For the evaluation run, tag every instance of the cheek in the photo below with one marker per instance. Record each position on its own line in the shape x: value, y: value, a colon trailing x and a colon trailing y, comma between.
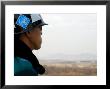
x: 38, y: 39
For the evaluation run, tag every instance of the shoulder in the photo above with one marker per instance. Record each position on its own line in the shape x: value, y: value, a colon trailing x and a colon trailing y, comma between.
x: 23, y: 67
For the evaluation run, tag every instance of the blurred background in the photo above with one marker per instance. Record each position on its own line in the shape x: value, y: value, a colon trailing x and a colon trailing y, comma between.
x: 69, y: 44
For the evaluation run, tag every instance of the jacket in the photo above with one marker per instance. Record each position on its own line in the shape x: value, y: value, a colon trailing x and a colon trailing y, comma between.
x: 25, y: 62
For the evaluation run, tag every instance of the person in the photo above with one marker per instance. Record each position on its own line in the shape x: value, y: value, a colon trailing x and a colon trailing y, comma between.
x: 27, y: 37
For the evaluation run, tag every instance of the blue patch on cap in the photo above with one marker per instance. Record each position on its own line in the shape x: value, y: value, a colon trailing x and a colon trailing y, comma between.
x: 23, y: 21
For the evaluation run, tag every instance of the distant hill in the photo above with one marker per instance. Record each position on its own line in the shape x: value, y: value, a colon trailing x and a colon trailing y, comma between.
x: 70, y: 57
x: 66, y: 61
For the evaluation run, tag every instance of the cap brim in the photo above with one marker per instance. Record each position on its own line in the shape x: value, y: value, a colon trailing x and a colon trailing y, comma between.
x: 42, y: 24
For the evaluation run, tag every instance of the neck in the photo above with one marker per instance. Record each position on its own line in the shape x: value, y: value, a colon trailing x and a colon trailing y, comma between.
x: 27, y: 42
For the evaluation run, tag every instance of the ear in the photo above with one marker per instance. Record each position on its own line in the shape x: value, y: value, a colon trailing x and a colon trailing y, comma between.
x: 28, y: 34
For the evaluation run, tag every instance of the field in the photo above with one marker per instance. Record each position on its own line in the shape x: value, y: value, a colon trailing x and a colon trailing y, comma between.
x: 79, y: 68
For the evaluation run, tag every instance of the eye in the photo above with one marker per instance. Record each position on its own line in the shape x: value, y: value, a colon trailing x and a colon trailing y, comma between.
x: 40, y: 28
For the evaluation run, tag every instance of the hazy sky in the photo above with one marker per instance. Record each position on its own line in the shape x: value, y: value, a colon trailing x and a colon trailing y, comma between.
x: 68, y: 34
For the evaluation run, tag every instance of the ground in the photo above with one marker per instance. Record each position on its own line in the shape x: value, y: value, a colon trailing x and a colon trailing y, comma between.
x: 79, y: 68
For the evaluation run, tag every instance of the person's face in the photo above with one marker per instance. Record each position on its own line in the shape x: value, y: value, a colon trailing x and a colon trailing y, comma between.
x: 35, y: 37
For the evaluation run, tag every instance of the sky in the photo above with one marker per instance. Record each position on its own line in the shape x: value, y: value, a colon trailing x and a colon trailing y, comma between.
x: 68, y: 36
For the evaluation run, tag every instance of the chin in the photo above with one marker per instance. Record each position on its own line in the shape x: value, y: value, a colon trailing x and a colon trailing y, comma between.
x: 37, y: 48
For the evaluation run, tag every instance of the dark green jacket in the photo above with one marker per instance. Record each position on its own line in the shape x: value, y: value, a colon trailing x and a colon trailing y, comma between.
x: 23, y: 67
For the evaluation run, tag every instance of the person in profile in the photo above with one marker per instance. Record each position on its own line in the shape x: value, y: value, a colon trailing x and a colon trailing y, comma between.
x: 27, y: 37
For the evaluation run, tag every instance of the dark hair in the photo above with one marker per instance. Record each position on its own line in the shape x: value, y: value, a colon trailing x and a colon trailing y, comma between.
x: 17, y: 36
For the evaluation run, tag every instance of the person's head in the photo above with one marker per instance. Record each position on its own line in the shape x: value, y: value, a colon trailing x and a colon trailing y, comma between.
x: 30, y: 35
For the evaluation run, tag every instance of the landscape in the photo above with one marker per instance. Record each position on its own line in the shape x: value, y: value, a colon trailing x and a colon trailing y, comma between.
x: 70, y: 68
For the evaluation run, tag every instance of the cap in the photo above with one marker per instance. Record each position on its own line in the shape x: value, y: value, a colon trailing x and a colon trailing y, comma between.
x: 26, y: 22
